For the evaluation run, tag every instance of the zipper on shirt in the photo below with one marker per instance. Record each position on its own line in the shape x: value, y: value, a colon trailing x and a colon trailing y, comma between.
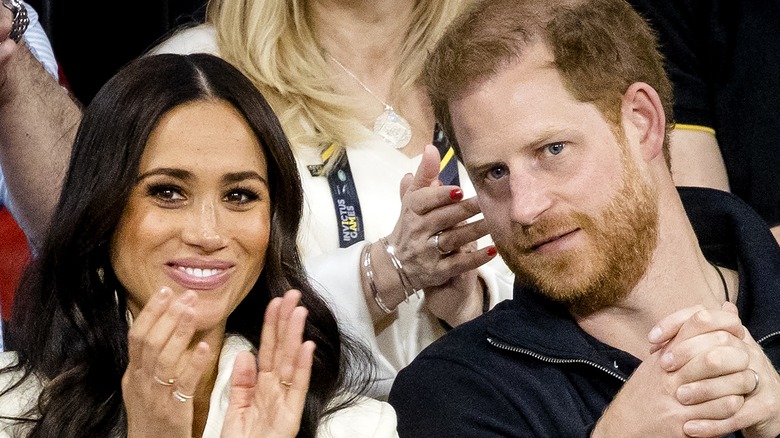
x: 767, y: 337
x: 553, y: 360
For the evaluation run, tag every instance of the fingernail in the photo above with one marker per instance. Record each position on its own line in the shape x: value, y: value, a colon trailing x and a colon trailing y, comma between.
x: 654, y: 335
x: 492, y: 251
x: 456, y: 194
x: 667, y: 360
x: 683, y: 394
x: 692, y: 428
x: 188, y: 297
x: 163, y: 293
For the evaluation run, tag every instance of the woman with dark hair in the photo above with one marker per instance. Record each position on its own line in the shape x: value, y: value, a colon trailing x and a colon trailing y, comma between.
x: 174, y: 232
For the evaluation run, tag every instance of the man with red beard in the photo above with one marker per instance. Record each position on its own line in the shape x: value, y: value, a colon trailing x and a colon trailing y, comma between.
x: 640, y: 309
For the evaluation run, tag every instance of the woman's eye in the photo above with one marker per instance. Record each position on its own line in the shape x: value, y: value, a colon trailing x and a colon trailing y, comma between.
x: 241, y: 196
x: 166, y: 193
x: 555, y: 148
x: 497, y: 172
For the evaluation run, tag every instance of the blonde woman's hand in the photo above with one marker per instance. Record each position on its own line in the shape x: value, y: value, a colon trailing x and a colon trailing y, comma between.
x: 161, y: 374
x: 267, y: 396
x: 438, y: 245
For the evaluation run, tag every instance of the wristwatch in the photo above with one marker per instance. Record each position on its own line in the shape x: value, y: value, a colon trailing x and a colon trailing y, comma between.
x: 20, y: 20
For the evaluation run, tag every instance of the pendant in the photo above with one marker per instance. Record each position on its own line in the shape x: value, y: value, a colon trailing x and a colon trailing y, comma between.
x: 393, y: 129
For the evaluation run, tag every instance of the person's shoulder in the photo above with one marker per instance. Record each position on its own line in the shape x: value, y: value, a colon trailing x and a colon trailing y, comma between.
x: 196, y: 39
x: 367, y: 417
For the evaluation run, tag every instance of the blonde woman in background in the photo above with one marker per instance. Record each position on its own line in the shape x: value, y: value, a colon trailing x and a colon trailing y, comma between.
x: 330, y: 69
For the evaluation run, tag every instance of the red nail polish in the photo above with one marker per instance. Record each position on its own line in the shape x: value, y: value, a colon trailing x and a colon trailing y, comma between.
x: 492, y: 251
x: 456, y: 194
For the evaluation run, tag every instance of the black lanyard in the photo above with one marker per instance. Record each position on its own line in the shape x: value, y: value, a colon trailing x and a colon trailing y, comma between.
x: 344, y: 193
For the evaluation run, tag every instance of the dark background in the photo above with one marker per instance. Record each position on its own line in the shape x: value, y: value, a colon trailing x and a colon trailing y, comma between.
x: 92, y: 39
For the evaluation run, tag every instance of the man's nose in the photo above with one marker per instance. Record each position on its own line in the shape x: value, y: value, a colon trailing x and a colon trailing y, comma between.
x: 530, y: 198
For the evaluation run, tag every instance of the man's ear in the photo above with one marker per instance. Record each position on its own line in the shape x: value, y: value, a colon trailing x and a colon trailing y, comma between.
x: 642, y: 108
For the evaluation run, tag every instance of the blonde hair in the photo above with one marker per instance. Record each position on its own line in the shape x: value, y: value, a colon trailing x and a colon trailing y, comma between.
x: 272, y: 42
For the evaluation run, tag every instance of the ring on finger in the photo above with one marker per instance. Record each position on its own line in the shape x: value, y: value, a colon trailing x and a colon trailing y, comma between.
x: 436, y: 244
x: 181, y: 397
x: 755, y: 387
x: 285, y: 383
x: 164, y: 382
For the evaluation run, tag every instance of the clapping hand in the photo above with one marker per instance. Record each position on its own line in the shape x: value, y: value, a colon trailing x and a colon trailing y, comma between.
x: 267, y: 399
x: 162, y: 375
x: 437, y: 244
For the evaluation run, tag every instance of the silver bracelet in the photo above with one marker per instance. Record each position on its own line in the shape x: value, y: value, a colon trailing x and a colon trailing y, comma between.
x: 368, y: 270
x: 19, y: 20
x: 409, y: 289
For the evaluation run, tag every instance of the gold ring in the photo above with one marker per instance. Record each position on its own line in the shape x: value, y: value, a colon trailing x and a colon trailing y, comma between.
x: 164, y: 382
x: 285, y: 383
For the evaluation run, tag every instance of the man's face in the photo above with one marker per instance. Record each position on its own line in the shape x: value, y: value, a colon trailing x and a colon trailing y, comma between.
x: 562, y: 190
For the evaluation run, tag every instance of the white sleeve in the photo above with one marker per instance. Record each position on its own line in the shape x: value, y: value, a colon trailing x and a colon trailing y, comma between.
x: 498, y: 279
x: 39, y: 44
x: 336, y: 275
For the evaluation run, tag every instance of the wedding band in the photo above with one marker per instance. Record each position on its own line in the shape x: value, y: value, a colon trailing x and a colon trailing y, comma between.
x: 755, y: 387
x: 19, y: 19
x: 436, y: 245
x: 180, y: 396
x: 285, y: 383
x: 166, y: 382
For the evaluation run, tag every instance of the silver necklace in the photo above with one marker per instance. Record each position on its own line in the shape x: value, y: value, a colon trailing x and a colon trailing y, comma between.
x: 389, y: 126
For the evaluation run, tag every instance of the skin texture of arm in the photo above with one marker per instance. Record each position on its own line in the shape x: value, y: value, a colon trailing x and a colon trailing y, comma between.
x: 696, y: 160
x: 38, y: 122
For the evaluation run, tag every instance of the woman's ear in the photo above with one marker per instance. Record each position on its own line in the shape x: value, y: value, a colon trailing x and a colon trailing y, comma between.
x: 642, y: 108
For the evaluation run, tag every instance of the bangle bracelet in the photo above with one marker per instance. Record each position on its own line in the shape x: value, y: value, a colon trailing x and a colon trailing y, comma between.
x: 409, y: 289
x: 368, y: 270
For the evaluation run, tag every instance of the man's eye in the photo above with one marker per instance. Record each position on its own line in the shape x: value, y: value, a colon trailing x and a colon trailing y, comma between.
x: 555, y: 148
x: 497, y: 172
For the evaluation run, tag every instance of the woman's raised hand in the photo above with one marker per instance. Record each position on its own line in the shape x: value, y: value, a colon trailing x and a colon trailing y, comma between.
x: 161, y: 375
x: 436, y: 243
x: 267, y: 399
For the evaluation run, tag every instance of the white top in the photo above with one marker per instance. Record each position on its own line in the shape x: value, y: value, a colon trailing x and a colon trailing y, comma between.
x: 377, y: 171
x: 367, y: 418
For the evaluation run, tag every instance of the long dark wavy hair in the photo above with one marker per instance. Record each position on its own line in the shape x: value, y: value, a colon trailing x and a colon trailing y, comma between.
x: 68, y: 324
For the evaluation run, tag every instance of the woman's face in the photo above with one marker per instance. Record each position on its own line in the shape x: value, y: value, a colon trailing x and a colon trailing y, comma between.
x: 198, y: 216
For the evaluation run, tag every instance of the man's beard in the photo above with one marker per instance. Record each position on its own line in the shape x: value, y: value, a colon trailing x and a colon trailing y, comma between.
x: 622, y: 239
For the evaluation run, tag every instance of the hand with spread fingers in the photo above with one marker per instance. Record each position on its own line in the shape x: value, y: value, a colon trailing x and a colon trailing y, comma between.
x: 267, y: 399
x: 699, y: 343
x: 164, y: 368
x: 434, y: 246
